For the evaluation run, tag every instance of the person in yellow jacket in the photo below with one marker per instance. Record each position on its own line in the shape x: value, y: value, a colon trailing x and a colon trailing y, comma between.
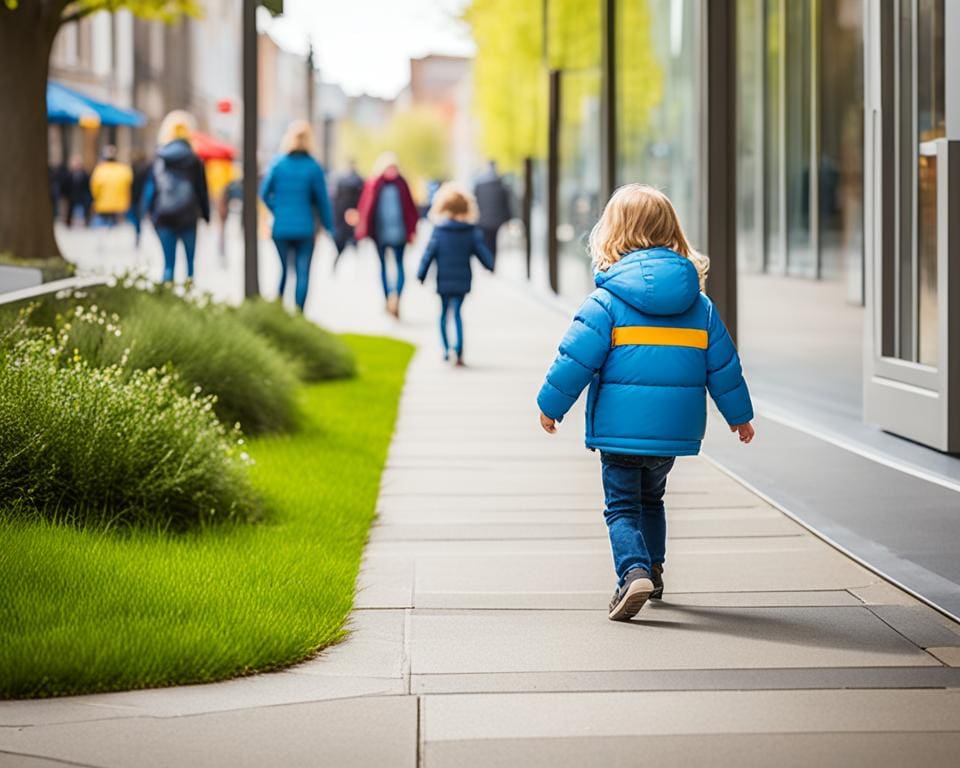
x: 110, y: 185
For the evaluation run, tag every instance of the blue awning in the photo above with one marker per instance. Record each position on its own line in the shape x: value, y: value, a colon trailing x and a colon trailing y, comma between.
x: 65, y: 105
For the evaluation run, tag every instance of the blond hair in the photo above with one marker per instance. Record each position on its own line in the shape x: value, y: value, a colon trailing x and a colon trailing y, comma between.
x: 297, y: 138
x: 178, y: 124
x: 453, y: 201
x: 636, y: 217
x: 384, y: 161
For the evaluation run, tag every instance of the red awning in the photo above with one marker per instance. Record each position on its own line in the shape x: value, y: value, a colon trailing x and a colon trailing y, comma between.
x: 209, y: 148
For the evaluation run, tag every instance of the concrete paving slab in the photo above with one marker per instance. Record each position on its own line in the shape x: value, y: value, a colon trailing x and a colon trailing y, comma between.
x: 373, y: 731
x: 679, y: 529
x: 11, y: 760
x: 915, y: 623
x: 781, y: 570
x: 374, y: 648
x: 597, y: 601
x: 819, y: 678
x: 550, y: 502
x: 552, y: 715
x: 882, y: 592
x: 852, y: 750
x: 385, y: 583
x: 949, y: 655
x: 661, y: 637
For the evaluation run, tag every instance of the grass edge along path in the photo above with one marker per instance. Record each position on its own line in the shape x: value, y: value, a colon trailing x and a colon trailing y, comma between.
x: 86, y: 611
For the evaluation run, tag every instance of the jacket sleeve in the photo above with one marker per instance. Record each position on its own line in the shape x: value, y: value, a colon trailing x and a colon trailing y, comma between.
x: 725, y: 380
x: 481, y: 250
x: 202, y: 194
x: 365, y: 209
x: 266, y: 188
x: 322, y: 199
x: 429, y: 254
x: 583, y: 350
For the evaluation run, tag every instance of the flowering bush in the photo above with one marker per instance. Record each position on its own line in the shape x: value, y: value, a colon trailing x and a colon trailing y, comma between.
x: 254, y: 383
x: 108, y: 444
x: 318, y: 354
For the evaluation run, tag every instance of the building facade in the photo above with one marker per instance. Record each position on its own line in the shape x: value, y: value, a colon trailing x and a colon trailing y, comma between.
x: 810, y: 148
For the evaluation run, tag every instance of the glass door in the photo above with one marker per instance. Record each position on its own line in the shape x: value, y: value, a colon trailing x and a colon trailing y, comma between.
x: 912, y: 182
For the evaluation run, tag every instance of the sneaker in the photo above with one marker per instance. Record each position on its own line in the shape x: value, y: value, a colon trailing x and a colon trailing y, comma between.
x: 657, y: 578
x: 460, y: 363
x: 629, y: 599
x: 393, y: 305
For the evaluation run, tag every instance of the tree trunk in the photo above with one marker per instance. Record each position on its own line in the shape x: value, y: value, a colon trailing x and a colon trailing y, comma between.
x: 26, y: 213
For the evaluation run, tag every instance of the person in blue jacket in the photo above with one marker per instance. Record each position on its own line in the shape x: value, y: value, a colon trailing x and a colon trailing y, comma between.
x: 295, y: 191
x: 650, y: 345
x: 455, y: 240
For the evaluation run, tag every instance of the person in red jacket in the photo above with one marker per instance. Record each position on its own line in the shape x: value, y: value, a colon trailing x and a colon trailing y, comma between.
x: 388, y: 216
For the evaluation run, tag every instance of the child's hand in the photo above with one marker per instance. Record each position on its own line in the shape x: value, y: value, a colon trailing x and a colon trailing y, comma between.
x: 548, y: 424
x: 746, y: 431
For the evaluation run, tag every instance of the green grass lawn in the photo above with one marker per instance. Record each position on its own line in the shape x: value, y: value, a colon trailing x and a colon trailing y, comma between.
x: 88, y: 610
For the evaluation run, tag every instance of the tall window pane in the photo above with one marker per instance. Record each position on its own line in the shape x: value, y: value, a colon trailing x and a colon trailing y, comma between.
x: 801, y: 259
x: 658, y: 108
x: 773, y: 138
x: 841, y: 145
x: 578, y: 194
x: 931, y: 125
x: 749, y: 135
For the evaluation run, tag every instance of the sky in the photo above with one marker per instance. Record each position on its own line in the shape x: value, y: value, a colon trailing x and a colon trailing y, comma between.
x: 364, y: 45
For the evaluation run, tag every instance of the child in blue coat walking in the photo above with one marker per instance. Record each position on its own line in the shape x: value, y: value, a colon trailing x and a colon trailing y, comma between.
x: 650, y: 345
x: 455, y: 239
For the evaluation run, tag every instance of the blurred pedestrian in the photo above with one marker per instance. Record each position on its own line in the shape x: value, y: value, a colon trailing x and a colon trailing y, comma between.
x: 57, y: 176
x: 221, y: 172
x: 346, y: 198
x: 493, y: 199
x: 388, y: 215
x: 77, y: 191
x: 295, y: 191
x: 455, y: 239
x: 110, y: 185
x: 176, y: 192
x: 141, y: 170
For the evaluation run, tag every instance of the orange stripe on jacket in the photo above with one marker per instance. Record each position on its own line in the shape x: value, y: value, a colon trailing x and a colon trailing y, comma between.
x: 656, y: 336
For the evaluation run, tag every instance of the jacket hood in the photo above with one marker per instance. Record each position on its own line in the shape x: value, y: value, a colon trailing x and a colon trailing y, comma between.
x: 657, y: 281
x: 177, y: 153
x: 453, y: 224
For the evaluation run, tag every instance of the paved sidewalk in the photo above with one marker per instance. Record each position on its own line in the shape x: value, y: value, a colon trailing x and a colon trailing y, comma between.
x: 480, y: 636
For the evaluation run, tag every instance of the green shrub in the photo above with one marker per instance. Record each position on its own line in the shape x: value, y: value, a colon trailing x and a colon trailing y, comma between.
x: 85, y: 444
x: 318, y: 354
x: 254, y: 383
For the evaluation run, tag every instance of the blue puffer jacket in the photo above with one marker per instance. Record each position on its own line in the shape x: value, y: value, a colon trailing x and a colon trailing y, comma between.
x: 295, y: 188
x: 451, y: 245
x: 649, y: 344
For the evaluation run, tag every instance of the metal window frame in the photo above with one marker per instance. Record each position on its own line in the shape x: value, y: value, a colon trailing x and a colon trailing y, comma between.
x: 916, y: 401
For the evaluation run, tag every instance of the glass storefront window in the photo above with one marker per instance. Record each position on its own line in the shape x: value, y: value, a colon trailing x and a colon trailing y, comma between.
x: 931, y: 125
x: 801, y: 258
x: 578, y: 191
x: 841, y: 145
x: 750, y: 245
x: 773, y: 143
x: 658, y: 101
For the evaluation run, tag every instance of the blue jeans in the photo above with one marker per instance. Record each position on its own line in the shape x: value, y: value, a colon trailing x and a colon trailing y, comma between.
x: 634, y: 487
x: 168, y: 241
x: 302, y: 250
x: 451, y: 302
x: 398, y: 257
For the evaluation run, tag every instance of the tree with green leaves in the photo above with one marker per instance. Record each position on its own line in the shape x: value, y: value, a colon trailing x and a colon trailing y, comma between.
x: 27, y: 31
x: 513, y: 61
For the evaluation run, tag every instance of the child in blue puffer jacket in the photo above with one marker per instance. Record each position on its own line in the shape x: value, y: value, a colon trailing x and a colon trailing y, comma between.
x: 650, y: 345
x: 455, y: 240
